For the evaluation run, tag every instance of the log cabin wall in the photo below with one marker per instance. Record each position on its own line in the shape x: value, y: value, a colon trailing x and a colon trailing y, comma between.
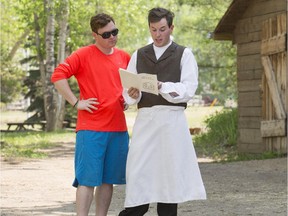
x: 247, y: 36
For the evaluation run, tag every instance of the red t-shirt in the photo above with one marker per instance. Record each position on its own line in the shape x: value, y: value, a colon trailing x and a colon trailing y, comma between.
x: 98, y: 77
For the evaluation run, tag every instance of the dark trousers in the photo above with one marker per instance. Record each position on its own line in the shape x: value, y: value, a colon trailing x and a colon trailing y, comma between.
x: 163, y: 209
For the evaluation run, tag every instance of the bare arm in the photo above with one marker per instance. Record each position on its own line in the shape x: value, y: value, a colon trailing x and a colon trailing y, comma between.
x: 64, y: 89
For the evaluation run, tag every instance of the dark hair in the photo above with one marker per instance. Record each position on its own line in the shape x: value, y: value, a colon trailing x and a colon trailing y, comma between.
x: 156, y: 14
x: 99, y: 21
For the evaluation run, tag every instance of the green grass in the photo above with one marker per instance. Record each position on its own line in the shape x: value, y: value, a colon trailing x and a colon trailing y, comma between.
x: 29, y: 144
x: 235, y: 156
x: 217, y: 141
x: 195, y: 115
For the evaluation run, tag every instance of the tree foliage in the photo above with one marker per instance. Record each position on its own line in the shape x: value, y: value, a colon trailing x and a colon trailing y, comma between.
x: 194, y: 21
x: 12, y: 77
x: 12, y: 74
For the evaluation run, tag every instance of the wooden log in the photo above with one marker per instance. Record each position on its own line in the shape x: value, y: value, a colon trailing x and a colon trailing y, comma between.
x: 273, y: 128
x: 273, y: 89
x: 274, y: 45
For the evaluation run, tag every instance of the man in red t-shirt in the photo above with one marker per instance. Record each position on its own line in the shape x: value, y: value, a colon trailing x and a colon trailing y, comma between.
x: 101, y: 138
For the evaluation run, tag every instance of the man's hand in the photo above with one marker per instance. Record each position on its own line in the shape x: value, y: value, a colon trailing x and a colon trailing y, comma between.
x: 133, y: 93
x: 88, y: 105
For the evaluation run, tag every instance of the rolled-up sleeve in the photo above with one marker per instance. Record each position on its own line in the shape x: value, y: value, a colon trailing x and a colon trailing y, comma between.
x: 66, y: 69
x: 183, y: 91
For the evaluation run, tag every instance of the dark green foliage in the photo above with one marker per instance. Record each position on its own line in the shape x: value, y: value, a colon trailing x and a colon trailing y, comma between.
x: 222, y: 127
x: 219, y: 142
x: 12, y: 77
x: 221, y: 135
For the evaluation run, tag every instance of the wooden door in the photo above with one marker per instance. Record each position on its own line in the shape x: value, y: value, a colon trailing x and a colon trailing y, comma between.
x: 274, y: 84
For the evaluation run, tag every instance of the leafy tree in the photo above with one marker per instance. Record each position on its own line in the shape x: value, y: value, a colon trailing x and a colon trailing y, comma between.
x: 195, y: 21
x: 68, y: 22
x: 12, y: 77
x: 12, y: 35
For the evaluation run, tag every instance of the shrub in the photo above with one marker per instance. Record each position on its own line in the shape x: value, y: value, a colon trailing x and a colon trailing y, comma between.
x: 220, y: 136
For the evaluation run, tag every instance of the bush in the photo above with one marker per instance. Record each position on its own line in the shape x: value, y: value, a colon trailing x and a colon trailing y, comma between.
x: 221, y: 135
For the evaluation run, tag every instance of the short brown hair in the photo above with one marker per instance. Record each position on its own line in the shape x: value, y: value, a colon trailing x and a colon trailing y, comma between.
x: 156, y: 14
x: 99, y: 21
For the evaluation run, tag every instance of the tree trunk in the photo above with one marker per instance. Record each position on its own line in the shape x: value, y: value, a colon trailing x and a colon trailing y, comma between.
x: 50, y: 94
x: 54, y: 103
x: 63, y: 24
x: 40, y: 54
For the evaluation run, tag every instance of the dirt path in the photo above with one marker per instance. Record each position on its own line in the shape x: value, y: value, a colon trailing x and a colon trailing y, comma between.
x: 43, y: 187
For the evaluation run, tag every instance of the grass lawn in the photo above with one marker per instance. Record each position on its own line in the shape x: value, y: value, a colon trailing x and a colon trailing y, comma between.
x: 195, y: 115
x: 29, y: 144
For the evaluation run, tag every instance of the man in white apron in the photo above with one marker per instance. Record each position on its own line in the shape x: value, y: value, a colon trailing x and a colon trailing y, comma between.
x: 162, y: 165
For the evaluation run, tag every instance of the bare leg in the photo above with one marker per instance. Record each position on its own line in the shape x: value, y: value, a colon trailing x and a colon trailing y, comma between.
x: 103, y: 198
x: 84, y: 197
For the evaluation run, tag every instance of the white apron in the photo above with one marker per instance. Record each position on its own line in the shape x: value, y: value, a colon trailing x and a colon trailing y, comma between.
x: 162, y: 165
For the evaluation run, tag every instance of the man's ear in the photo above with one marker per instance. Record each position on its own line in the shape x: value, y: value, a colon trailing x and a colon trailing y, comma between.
x: 94, y: 35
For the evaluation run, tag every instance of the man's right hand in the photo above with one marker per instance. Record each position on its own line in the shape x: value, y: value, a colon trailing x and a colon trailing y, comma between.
x: 88, y: 105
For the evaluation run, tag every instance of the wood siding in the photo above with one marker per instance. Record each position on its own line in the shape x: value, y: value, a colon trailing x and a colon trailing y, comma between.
x: 274, y: 87
x: 248, y: 37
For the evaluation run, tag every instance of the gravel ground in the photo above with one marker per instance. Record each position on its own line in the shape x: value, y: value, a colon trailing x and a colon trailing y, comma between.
x: 43, y: 187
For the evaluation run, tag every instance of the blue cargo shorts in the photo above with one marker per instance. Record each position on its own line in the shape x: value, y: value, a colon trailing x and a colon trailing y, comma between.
x: 100, y: 157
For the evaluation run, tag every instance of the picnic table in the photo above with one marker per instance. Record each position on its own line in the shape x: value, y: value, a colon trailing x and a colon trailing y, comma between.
x: 22, y: 126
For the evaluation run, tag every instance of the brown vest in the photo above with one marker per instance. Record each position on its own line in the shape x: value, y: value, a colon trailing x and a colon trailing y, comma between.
x: 167, y: 69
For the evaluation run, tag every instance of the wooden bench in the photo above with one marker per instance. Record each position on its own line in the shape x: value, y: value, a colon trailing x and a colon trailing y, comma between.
x: 23, y: 126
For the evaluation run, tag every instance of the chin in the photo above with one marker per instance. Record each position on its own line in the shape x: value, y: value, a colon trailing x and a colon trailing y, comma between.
x: 112, y: 44
x: 158, y: 44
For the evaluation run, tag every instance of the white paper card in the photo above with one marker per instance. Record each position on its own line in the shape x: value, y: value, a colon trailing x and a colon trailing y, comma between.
x: 144, y: 82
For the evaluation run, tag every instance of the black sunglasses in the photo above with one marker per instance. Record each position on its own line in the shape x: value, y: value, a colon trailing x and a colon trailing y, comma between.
x: 107, y: 35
